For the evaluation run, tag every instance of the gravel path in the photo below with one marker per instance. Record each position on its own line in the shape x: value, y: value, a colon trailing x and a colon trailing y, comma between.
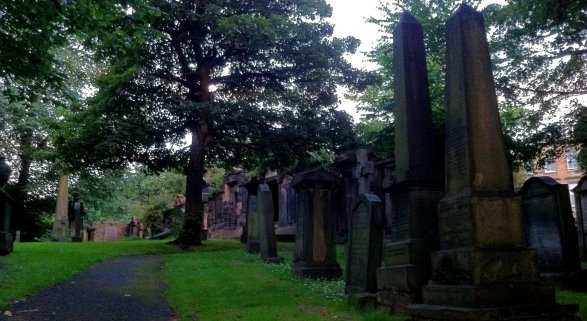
x: 125, y: 289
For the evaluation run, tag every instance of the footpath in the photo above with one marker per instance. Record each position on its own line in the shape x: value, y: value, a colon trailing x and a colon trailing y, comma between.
x: 123, y: 289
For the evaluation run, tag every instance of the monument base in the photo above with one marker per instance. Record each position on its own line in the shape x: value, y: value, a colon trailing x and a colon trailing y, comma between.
x: 6, y: 243
x: 330, y: 271
x: 253, y: 246
x: 396, y: 301
x: 362, y: 299
x: 421, y: 312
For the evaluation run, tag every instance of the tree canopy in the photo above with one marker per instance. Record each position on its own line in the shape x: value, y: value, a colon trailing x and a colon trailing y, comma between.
x: 251, y: 82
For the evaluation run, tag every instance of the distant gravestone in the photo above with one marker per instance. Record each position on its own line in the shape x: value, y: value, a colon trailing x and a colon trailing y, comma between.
x: 364, y: 246
x: 253, y: 224
x: 483, y: 270
x: 550, y: 226
x: 267, y: 239
x: 315, y: 250
x: 581, y: 210
x: 5, y: 210
x: 76, y: 214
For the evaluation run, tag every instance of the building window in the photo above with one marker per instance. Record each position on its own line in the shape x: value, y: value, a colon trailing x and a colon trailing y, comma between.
x: 572, y: 163
x: 550, y: 167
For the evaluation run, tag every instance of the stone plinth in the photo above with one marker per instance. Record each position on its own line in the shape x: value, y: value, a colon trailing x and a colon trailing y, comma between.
x: 253, y: 224
x: 315, y: 251
x: 364, y: 246
x: 414, y: 196
x: 550, y: 226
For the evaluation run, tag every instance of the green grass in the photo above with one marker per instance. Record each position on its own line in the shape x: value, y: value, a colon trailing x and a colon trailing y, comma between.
x: 212, y: 285
x: 35, y: 266
x: 574, y: 297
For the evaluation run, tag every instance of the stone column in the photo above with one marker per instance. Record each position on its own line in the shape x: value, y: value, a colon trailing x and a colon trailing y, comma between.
x: 267, y: 239
x: 315, y: 251
x: 252, y: 244
x: 580, y: 192
x: 483, y: 271
x: 414, y: 195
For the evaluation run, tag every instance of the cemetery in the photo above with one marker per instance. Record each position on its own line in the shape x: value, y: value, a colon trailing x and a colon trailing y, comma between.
x: 435, y: 229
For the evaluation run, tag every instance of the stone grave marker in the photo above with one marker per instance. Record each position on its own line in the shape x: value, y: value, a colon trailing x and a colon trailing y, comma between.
x: 267, y: 239
x: 580, y: 192
x: 550, y: 226
x: 315, y: 250
x: 414, y: 195
x: 253, y: 224
x: 364, y: 246
x: 483, y: 270
x: 76, y: 214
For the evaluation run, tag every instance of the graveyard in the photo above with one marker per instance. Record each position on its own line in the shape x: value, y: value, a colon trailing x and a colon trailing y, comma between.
x: 308, y: 222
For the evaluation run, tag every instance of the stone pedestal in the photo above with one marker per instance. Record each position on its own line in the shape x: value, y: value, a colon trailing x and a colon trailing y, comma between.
x: 364, y: 246
x: 315, y: 251
x: 581, y: 210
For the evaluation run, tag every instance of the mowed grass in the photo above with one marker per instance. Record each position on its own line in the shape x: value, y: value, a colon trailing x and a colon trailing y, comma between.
x: 35, y: 266
x: 213, y: 285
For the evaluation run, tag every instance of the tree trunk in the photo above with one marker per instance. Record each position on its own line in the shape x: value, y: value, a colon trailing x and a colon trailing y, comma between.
x: 61, y: 222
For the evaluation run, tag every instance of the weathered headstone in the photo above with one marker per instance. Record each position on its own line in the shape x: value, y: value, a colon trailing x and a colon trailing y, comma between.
x: 483, y: 271
x: 414, y: 196
x: 581, y: 211
x: 253, y: 224
x: 5, y: 210
x: 550, y: 226
x: 267, y: 240
x: 315, y: 251
x: 364, y: 246
x: 76, y: 214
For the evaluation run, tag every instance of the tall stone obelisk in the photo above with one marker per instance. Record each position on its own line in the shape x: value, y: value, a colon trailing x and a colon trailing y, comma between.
x: 484, y: 270
x: 406, y: 265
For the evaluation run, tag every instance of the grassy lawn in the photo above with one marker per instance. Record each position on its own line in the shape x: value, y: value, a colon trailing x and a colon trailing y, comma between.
x: 218, y: 281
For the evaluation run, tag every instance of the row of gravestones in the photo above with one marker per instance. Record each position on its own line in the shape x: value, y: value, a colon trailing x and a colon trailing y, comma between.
x: 455, y: 252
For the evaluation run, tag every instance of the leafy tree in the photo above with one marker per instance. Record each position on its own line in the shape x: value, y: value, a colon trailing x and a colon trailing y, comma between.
x: 274, y: 67
x: 540, y: 54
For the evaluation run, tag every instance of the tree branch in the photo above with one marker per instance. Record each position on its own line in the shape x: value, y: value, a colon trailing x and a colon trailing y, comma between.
x: 551, y: 92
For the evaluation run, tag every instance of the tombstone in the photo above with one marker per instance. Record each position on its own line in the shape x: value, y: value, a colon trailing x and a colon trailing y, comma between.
x: 6, y: 242
x: 315, y: 250
x: 483, y: 270
x: 132, y: 228
x: 580, y: 192
x: 417, y: 189
x: 364, y: 247
x: 90, y: 231
x: 76, y: 214
x: 17, y: 237
x: 267, y: 239
x: 550, y: 227
x: 253, y: 224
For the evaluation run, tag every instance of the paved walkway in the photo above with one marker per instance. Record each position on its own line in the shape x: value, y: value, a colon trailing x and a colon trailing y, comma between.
x: 124, y: 289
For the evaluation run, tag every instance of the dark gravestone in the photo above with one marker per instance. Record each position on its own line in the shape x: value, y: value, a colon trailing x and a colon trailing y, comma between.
x: 364, y: 246
x: 414, y: 196
x: 484, y: 270
x: 315, y: 250
x: 581, y: 210
x: 550, y: 227
x: 6, y: 241
x: 267, y: 240
x: 253, y: 224
x: 76, y: 214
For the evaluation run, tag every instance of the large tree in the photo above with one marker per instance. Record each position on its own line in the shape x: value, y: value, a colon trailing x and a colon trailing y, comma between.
x: 251, y: 82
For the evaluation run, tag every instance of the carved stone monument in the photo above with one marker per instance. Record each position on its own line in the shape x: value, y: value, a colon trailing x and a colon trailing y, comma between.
x: 6, y: 201
x: 253, y: 224
x: 550, y: 227
x: 76, y: 214
x: 267, y: 239
x: 483, y: 271
x: 315, y: 250
x: 581, y: 210
x: 406, y: 265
